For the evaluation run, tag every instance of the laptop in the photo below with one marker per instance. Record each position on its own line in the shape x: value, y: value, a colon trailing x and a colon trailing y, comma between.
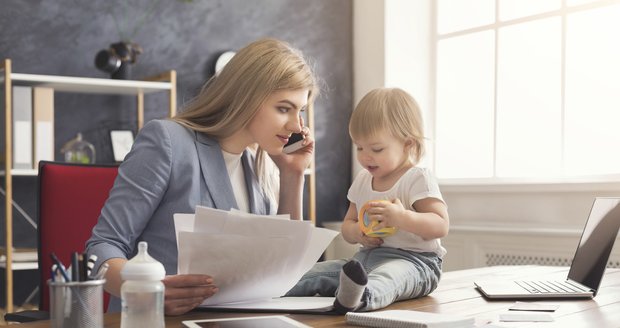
x: 587, y: 268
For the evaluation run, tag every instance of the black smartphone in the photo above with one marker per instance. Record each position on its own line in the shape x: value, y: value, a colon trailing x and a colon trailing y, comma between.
x: 294, y: 143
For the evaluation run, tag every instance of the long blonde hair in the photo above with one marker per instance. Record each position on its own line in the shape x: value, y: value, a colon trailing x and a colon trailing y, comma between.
x: 229, y: 100
x: 392, y: 110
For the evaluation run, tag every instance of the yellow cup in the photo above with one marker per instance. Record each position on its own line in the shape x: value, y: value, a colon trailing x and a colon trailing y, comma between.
x: 366, y: 225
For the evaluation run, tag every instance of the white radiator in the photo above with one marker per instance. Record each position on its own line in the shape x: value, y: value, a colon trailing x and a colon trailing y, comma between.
x: 486, y: 245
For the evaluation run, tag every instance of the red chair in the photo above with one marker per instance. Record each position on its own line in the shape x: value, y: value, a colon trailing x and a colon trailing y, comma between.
x: 70, y: 200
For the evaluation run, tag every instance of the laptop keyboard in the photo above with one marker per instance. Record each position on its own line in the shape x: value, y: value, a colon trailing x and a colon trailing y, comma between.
x: 545, y: 287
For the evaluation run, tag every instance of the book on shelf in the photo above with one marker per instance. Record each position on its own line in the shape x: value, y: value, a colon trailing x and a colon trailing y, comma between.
x: 3, y: 133
x: 407, y: 318
x: 43, y: 124
x: 20, y: 255
x: 22, y: 127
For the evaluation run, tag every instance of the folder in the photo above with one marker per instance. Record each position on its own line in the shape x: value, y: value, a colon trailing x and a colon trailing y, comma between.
x: 43, y: 124
x: 22, y: 127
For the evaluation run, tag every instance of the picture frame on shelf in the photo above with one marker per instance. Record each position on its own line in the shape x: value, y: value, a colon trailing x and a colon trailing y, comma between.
x: 121, y: 140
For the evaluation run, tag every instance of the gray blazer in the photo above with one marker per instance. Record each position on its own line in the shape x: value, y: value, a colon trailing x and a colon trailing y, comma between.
x: 170, y: 169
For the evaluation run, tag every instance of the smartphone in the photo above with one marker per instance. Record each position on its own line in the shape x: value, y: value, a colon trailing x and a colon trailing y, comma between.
x: 294, y: 143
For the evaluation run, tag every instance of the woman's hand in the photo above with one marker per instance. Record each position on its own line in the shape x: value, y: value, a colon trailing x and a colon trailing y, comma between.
x: 187, y: 291
x: 298, y: 161
x: 292, y: 167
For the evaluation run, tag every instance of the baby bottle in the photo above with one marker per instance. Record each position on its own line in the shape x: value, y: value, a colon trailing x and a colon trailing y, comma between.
x: 142, y: 292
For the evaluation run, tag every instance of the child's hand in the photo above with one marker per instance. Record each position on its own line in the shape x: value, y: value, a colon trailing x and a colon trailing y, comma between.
x: 387, y: 214
x: 370, y: 242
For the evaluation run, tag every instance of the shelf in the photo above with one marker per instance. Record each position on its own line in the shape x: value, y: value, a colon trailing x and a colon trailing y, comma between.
x: 89, y: 85
x: 20, y: 172
x: 164, y: 82
x: 21, y: 265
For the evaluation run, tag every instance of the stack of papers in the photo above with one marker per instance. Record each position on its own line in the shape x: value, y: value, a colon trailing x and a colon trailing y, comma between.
x: 251, y: 257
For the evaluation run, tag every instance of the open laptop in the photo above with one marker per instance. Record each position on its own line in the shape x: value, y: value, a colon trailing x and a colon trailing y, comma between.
x: 587, y: 268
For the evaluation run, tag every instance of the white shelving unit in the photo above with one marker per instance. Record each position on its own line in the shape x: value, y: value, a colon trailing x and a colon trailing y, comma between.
x: 165, y: 82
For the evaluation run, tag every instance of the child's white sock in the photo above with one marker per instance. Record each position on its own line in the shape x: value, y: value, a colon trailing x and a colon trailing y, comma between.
x: 353, y: 280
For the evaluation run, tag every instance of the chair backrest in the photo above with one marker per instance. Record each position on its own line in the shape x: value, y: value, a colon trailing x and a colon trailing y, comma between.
x: 70, y: 200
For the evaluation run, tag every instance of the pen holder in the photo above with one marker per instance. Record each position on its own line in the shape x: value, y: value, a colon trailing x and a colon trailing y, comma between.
x: 76, y: 304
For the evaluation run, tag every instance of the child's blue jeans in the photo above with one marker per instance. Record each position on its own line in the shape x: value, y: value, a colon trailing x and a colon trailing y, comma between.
x: 393, y: 275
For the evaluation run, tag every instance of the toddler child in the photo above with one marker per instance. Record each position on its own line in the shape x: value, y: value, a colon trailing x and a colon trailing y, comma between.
x: 387, y: 130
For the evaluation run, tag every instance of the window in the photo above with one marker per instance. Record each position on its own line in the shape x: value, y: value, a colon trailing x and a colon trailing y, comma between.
x: 527, y: 90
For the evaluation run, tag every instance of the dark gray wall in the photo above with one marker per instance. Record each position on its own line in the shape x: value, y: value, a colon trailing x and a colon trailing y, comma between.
x: 61, y: 37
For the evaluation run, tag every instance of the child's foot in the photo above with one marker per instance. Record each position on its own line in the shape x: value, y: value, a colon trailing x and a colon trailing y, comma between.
x: 353, y: 280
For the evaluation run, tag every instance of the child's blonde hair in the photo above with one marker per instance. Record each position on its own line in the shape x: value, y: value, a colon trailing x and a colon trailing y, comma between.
x: 392, y: 110
x: 230, y: 99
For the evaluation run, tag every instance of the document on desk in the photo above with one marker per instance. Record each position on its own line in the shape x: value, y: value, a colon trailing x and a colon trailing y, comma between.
x: 251, y: 257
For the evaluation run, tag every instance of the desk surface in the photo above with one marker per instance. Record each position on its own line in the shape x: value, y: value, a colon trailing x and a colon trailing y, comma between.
x: 456, y: 294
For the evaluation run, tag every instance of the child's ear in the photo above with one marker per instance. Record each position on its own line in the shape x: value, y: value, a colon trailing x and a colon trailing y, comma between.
x: 409, y: 143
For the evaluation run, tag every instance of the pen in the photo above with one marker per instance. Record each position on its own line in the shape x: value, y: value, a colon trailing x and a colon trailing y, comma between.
x: 102, y: 270
x: 83, y: 267
x: 53, y: 275
x: 90, y: 265
x: 61, y: 267
x: 75, y: 267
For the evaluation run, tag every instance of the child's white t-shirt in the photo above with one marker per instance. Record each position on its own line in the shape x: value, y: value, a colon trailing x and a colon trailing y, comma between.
x: 417, y: 183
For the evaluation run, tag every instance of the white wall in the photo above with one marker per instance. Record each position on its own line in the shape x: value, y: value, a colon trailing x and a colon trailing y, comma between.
x: 382, y: 59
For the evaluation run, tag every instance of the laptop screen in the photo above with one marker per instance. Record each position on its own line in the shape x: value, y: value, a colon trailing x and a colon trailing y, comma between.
x: 596, y: 243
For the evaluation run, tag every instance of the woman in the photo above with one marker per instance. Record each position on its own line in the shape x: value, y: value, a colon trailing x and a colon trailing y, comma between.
x: 212, y: 154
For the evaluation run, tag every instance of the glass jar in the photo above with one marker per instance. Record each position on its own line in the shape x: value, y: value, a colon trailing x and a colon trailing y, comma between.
x: 78, y: 150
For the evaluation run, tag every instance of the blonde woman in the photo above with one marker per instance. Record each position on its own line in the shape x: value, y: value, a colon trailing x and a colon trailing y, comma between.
x: 211, y: 154
x: 386, y: 127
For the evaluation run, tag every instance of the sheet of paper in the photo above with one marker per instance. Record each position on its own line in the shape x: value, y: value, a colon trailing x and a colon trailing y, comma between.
x: 183, y: 222
x: 240, y: 274
x: 275, y: 216
x: 527, y: 306
x: 251, y: 257
x: 312, y: 241
x: 525, y: 317
x: 209, y: 219
x: 259, y: 225
x: 319, y: 240
x: 312, y: 304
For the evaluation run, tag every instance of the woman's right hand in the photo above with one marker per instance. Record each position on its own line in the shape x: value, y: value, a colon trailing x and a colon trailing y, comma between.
x: 185, y: 292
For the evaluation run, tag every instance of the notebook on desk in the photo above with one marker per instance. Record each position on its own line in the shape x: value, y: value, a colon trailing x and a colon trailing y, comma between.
x: 587, y: 268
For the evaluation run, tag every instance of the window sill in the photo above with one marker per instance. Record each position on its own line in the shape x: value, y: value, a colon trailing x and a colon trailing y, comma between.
x: 598, y: 184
